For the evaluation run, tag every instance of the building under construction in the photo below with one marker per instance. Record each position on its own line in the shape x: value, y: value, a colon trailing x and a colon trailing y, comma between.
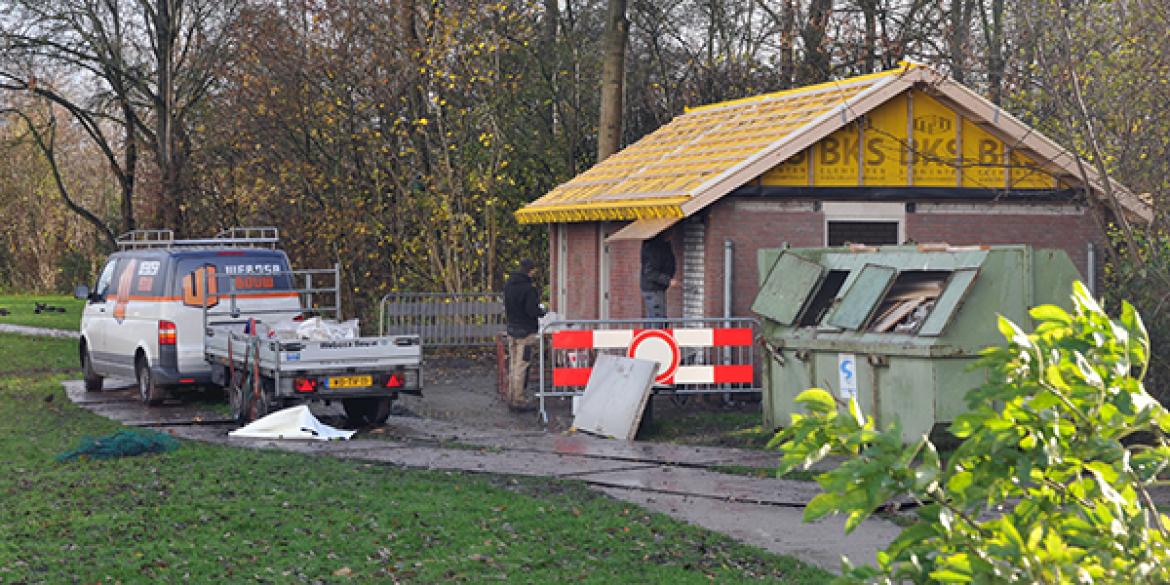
x: 902, y: 156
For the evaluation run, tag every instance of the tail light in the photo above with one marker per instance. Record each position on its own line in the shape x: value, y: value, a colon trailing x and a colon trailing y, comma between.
x: 395, y: 381
x: 167, y: 333
x: 305, y: 384
x: 299, y: 317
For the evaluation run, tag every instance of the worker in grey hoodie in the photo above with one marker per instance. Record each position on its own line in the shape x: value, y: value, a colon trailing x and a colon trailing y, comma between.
x: 658, y: 270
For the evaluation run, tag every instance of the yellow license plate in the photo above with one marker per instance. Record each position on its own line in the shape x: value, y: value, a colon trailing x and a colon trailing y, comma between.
x: 351, y: 381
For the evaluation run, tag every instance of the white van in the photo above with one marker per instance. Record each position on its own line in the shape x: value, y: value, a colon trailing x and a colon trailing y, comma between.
x: 144, y: 318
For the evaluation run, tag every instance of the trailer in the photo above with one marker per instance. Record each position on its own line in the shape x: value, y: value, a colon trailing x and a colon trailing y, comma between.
x: 263, y: 372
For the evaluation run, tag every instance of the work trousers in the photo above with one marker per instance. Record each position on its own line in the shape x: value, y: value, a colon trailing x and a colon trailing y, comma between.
x: 654, y: 306
x: 520, y: 352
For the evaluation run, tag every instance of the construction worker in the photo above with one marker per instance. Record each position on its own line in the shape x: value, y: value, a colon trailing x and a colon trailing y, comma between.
x: 522, y: 309
x: 658, y: 270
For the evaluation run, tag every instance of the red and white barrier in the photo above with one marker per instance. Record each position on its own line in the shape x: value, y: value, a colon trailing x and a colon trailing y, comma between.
x: 661, y: 345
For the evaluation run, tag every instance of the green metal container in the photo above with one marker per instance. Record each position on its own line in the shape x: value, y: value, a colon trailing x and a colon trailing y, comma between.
x: 897, y: 327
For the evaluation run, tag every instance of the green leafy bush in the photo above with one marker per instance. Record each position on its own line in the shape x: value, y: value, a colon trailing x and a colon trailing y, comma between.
x: 1142, y: 277
x: 1047, y: 484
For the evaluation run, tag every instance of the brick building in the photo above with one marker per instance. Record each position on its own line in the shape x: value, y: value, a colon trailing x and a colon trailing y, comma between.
x: 906, y: 155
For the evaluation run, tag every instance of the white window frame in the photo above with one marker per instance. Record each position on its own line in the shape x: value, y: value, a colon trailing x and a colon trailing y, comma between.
x: 863, y: 211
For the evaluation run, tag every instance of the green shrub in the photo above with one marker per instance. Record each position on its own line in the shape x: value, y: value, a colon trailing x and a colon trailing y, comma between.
x: 1146, y: 284
x: 73, y: 268
x: 1042, y: 487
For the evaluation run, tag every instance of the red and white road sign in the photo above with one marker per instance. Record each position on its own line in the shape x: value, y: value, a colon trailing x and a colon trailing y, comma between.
x: 660, y: 345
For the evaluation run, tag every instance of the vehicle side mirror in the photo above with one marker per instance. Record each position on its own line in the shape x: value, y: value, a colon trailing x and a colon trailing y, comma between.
x: 81, y: 292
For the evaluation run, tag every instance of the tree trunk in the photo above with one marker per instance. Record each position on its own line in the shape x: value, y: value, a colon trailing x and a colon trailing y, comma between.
x: 788, y: 45
x: 164, y: 43
x: 548, y: 41
x: 609, y: 127
x: 869, y: 9
x: 957, y: 39
x: 993, y: 35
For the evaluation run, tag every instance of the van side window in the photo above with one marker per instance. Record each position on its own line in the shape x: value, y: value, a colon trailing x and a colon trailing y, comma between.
x: 103, y: 284
x: 147, y: 280
x: 123, y: 278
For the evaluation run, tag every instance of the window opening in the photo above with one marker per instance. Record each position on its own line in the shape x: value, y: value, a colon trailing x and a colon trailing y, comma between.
x: 909, y: 301
x: 874, y: 233
x: 107, y: 277
x: 822, y: 301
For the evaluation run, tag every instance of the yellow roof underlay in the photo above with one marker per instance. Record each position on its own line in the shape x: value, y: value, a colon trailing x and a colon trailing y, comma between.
x: 654, y: 176
x: 709, y: 151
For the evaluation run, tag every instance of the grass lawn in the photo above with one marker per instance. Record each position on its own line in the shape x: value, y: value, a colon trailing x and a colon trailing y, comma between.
x: 214, y: 514
x: 20, y: 311
x: 28, y: 354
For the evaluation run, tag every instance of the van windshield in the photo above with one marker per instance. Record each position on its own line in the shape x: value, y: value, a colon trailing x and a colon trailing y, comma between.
x: 246, y: 272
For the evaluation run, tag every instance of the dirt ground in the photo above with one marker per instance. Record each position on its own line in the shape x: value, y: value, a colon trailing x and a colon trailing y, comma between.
x: 464, y: 389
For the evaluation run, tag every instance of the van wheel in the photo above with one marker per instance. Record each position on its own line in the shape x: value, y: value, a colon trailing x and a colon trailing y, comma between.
x: 360, y: 412
x: 93, y: 382
x: 148, y: 390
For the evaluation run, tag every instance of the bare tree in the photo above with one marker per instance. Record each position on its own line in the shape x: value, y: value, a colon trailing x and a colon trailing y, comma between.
x: 142, y: 65
x: 44, y: 136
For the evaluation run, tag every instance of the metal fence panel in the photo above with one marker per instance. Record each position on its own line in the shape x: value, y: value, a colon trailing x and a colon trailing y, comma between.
x: 711, y: 355
x: 444, y: 319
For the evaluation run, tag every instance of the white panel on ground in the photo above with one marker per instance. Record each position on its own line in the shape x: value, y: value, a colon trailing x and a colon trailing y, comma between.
x: 291, y: 423
x: 615, y: 396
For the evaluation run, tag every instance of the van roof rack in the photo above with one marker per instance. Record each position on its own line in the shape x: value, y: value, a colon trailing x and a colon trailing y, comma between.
x: 249, y: 237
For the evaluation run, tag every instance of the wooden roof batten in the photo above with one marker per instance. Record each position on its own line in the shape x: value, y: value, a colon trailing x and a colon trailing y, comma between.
x: 657, y: 211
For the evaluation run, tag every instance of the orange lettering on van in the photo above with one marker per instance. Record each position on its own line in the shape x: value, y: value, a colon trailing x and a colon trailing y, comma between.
x: 124, y: 281
x: 193, y: 284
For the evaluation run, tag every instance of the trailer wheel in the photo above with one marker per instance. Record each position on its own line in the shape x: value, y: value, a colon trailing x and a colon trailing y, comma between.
x: 360, y: 412
x: 235, y: 397
x: 266, y: 404
x: 244, y: 408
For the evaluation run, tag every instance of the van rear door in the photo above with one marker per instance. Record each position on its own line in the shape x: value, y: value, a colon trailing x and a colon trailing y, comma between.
x: 254, y: 281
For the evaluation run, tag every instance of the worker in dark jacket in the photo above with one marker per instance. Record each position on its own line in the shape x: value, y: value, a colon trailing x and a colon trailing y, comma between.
x: 522, y: 310
x: 657, y: 275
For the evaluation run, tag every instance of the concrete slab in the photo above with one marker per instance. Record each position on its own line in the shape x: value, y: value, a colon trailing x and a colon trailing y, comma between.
x: 422, y: 429
x: 615, y: 396
x: 82, y: 397
x: 773, y: 528
x: 590, y: 446
x: 508, y: 463
x: 135, y: 415
x: 703, y: 483
x: 112, y: 391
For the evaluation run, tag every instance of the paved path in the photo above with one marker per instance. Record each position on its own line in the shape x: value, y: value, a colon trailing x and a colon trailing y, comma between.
x: 675, y: 480
x: 41, y: 331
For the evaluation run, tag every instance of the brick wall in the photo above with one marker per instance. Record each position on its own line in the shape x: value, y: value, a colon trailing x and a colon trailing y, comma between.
x: 751, y: 225
x: 581, y: 260
x: 625, y: 294
x: 1068, y: 232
